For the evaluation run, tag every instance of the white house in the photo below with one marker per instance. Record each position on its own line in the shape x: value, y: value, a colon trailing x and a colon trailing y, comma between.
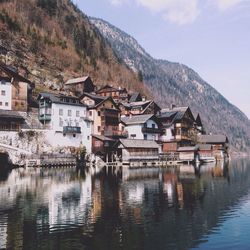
x: 142, y: 127
x: 66, y: 119
x: 5, y: 93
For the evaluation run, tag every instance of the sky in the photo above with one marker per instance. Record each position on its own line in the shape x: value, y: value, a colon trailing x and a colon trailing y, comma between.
x: 210, y: 36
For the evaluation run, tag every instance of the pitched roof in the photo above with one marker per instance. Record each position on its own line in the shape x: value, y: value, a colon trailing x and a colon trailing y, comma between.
x: 213, y: 139
x: 187, y: 149
x: 136, y: 119
x: 135, y: 96
x: 131, y: 143
x: 9, y: 114
x: 77, y: 80
x: 96, y: 98
x: 59, y: 98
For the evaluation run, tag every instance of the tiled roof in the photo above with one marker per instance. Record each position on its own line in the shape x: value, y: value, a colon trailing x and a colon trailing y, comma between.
x: 136, y: 119
x: 77, y: 80
x: 130, y: 143
x: 213, y: 139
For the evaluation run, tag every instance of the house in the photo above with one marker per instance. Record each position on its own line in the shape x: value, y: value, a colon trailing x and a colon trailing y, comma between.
x: 138, y: 150
x: 10, y: 120
x: 135, y: 97
x: 140, y: 108
x: 106, y: 115
x: 179, y: 128
x: 143, y: 127
x: 205, y: 153
x: 199, y: 125
x: 188, y: 154
x: 15, y: 90
x: 67, y: 120
x: 219, y: 143
x: 118, y: 94
x: 80, y: 85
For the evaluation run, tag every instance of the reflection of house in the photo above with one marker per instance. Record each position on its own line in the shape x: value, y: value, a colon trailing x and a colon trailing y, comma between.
x: 145, y: 127
x: 80, y: 85
x: 15, y: 90
x: 132, y: 150
x: 219, y: 144
x: 10, y: 120
x: 67, y: 118
x: 179, y: 128
x: 139, y: 108
x: 118, y: 94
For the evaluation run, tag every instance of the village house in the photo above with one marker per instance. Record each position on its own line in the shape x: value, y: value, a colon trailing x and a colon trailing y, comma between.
x: 118, y: 94
x: 131, y: 150
x: 219, y: 143
x: 80, y: 85
x: 143, y: 127
x: 15, y: 90
x: 179, y: 128
x: 139, y: 108
x: 66, y: 119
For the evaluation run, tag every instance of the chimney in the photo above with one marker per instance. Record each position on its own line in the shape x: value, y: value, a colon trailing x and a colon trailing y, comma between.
x: 172, y: 106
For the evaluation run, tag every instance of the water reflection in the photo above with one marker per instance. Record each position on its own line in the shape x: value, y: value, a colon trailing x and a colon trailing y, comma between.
x: 176, y: 208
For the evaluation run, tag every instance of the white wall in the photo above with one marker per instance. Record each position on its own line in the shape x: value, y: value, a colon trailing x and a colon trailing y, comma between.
x: 168, y: 136
x: 137, y: 130
x: 5, y: 99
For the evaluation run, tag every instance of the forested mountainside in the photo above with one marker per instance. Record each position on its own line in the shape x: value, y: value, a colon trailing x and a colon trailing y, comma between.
x: 174, y: 83
x: 51, y: 41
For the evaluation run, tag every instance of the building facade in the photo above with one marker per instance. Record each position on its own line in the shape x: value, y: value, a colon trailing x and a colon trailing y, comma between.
x: 5, y: 93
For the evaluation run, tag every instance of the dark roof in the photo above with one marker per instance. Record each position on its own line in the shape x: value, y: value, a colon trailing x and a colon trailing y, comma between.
x: 131, y: 143
x: 102, y: 138
x: 12, y: 73
x: 136, y: 119
x: 135, y: 97
x: 10, y: 114
x: 6, y: 79
x: 77, y: 80
x: 213, y: 139
x: 59, y: 98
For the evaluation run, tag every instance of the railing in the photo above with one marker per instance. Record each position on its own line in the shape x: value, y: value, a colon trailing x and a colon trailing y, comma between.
x: 152, y: 130
x: 45, y: 117
x: 71, y: 130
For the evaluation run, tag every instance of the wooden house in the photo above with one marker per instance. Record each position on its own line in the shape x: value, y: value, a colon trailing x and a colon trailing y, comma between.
x: 139, y: 108
x: 179, y: 128
x: 118, y: 94
x: 138, y: 150
x: 15, y: 90
x: 219, y: 143
x: 80, y: 85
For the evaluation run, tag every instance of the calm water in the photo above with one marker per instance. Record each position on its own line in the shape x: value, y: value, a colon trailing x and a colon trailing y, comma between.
x: 133, y: 209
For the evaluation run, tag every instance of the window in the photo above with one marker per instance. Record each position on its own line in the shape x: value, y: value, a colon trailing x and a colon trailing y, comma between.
x: 60, y: 123
x: 145, y: 136
x: 99, y: 128
x: 69, y: 112
x: 88, y: 124
x: 61, y: 112
x: 90, y: 113
x: 3, y: 92
x: 88, y: 137
x: 6, y: 104
x: 145, y: 125
x: 74, y: 135
x: 133, y: 136
x: 99, y: 113
x: 1, y: 104
x: 77, y: 113
x: 77, y: 124
x: 153, y: 125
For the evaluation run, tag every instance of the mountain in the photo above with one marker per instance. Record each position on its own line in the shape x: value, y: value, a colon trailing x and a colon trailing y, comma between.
x: 175, y: 83
x: 51, y: 41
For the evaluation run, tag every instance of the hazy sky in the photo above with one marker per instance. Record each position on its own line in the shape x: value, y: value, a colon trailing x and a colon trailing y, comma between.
x: 210, y: 36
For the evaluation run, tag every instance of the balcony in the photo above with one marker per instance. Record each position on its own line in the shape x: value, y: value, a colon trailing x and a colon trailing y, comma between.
x: 152, y: 130
x: 45, y: 117
x: 71, y: 130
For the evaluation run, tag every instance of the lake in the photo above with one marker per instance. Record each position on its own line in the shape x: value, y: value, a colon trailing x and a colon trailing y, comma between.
x: 207, y: 207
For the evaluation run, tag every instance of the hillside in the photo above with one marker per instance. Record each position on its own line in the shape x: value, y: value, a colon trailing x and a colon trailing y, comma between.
x: 51, y: 41
x: 176, y: 83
